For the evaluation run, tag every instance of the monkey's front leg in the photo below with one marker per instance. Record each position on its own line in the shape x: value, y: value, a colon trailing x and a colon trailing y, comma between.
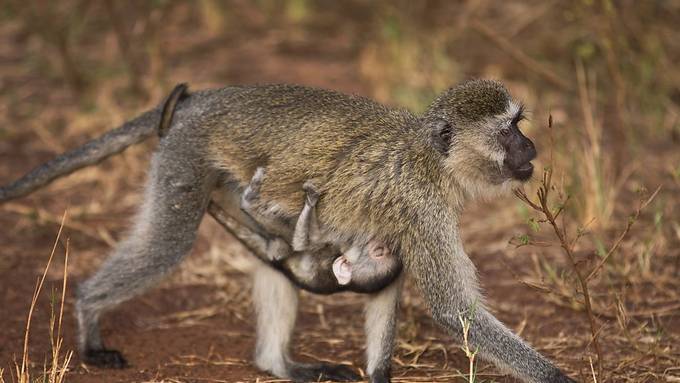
x: 276, y: 300
x: 381, y: 323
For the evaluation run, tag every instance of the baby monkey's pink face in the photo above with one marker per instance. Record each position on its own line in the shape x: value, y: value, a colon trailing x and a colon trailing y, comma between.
x: 365, y: 265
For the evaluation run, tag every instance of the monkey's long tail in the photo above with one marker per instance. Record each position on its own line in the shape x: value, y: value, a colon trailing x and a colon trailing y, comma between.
x: 93, y: 152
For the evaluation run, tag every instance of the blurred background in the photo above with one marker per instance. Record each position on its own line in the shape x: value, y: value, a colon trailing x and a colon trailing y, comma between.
x: 605, y: 71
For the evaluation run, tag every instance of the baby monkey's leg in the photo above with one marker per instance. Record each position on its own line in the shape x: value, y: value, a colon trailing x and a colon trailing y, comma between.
x: 261, y: 212
x: 307, y: 234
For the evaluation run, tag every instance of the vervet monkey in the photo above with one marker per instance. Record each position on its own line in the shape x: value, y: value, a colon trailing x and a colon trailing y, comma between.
x: 387, y: 174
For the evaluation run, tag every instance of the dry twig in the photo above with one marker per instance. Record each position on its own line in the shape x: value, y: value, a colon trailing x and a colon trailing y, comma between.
x: 550, y: 214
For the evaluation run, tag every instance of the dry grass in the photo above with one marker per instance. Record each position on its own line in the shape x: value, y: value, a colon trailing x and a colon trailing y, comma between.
x: 466, y: 322
x: 56, y: 371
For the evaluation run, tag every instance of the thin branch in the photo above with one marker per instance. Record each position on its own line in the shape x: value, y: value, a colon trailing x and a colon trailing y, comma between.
x: 520, y: 56
x: 625, y: 231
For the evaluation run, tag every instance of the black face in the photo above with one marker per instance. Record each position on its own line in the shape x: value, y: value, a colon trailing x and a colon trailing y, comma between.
x: 519, y: 151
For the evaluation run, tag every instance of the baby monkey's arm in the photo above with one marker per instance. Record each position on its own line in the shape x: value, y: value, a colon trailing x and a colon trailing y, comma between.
x: 307, y: 234
x: 265, y: 213
x: 262, y: 212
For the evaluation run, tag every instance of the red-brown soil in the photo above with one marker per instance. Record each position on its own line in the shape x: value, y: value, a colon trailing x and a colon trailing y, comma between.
x: 198, y: 325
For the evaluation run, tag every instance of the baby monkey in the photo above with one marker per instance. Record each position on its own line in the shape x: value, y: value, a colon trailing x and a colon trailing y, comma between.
x: 311, y: 260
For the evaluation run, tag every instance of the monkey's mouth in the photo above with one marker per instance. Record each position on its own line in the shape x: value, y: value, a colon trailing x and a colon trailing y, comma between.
x: 523, y: 172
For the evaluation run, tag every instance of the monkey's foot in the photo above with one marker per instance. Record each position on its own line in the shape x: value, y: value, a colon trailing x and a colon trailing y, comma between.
x: 323, y: 371
x: 105, y: 359
x: 380, y: 377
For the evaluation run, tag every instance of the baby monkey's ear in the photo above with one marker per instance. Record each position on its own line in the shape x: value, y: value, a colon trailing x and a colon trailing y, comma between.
x: 441, y: 134
x: 342, y: 270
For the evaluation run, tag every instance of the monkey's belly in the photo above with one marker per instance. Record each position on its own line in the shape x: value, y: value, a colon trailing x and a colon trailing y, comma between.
x: 313, y: 273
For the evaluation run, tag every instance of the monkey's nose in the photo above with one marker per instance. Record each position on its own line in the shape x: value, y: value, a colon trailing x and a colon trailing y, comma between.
x: 529, y: 148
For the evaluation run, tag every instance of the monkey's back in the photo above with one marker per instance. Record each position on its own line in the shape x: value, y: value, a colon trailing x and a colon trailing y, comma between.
x: 352, y: 147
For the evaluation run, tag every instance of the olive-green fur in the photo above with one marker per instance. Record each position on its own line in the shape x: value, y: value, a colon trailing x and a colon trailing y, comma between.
x: 470, y: 102
x: 374, y: 166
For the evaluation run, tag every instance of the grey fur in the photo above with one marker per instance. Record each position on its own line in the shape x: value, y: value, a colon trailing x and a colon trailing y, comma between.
x: 380, y: 326
x: 91, y: 153
x: 163, y: 233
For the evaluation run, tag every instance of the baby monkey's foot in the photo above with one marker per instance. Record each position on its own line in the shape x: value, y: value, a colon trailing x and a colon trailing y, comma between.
x: 277, y: 249
x: 312, y: 193
x: 252, y: 191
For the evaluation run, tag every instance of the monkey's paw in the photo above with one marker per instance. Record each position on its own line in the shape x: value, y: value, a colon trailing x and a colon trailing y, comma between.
x: 323, y: 371
x: 105, y: 359
x: 379, y: 379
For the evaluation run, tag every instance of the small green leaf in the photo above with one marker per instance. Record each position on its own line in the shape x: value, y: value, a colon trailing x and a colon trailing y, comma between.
x: 523, y: 239
x: 658, y: 216
x: 534, y: 225
x: 599, y: 246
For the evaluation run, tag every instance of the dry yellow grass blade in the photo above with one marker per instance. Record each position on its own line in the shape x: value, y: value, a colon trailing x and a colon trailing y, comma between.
x: 59, y: 366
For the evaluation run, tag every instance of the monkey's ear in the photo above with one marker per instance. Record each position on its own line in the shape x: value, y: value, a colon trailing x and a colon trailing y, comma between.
x: 342, y: 270
x: 442, y: 132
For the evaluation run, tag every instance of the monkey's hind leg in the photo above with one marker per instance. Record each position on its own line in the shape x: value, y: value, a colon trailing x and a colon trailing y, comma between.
x: 163, y: 233
x: 276, y: 301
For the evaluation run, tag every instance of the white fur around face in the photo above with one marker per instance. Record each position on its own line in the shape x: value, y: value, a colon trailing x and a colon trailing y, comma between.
x: 474, y: 148
x: 503, y: 121
x: 511, y: 111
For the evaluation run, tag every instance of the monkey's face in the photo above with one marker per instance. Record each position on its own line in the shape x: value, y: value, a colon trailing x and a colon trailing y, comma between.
x: 515, y: 148
x: 475, y: 126
x: 491, y: 156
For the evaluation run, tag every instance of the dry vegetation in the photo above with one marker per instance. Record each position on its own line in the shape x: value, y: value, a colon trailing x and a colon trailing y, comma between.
x: 586, y: 270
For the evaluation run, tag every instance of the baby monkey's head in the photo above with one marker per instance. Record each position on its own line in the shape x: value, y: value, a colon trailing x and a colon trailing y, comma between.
x: 366, y: 266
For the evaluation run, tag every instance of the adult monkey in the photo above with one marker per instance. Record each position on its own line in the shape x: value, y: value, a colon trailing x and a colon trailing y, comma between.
x: 387, y: 174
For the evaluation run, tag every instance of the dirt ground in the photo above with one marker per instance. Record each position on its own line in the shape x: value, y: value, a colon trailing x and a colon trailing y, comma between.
x: 197, y: 326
